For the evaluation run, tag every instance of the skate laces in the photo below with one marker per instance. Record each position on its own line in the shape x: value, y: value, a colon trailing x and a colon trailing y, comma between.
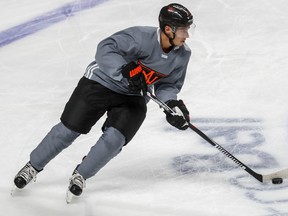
x: 77, y: 179
x: 28, y: 173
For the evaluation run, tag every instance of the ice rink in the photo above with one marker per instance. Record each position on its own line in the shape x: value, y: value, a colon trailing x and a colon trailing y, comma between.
x: 236, y: 91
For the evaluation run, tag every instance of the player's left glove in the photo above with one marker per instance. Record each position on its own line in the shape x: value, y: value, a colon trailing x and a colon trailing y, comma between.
x: 182, y: 118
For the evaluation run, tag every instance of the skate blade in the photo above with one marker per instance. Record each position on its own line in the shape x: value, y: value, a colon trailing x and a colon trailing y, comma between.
x: 69, y: 196
x: 14, y: 189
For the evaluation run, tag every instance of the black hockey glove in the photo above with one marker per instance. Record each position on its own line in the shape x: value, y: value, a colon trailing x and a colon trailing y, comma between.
x: 182, y: 118
x: 136, y: 79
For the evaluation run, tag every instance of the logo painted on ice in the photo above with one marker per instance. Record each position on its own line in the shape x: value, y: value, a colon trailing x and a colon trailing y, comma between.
x: 241, y: 137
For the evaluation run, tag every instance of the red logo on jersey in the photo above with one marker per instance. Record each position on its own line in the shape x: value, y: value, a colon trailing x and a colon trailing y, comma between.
x: 151, y: 76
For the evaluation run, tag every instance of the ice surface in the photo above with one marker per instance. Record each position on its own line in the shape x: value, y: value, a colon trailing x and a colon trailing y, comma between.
x: 235, y: 89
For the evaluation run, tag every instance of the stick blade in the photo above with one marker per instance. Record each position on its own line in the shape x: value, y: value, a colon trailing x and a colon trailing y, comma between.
x: 280, y: 174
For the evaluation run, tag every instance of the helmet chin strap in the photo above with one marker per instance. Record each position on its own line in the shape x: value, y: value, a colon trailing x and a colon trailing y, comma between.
x: 171, y: 39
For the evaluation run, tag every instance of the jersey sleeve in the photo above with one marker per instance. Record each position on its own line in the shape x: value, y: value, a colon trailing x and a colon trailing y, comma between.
x: 117, y: 50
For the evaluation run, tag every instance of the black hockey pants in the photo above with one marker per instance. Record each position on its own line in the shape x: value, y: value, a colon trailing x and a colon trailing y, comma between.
x: 91, y: 100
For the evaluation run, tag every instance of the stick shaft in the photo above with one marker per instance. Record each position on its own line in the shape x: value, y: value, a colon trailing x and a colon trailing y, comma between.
x: 257, y: 176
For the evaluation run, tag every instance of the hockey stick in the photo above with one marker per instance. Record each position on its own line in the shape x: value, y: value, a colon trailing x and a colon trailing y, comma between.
x: 262, y: 178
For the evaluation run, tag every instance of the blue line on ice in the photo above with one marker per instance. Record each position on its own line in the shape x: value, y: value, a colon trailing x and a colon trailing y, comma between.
x: 45, y: 20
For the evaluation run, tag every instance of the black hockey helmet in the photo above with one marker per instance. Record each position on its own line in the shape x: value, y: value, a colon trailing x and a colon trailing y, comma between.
x: 175, y: 15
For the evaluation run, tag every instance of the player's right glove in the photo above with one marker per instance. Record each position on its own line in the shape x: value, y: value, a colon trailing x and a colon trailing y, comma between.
x: 181, y: 119
x: 136, y: 79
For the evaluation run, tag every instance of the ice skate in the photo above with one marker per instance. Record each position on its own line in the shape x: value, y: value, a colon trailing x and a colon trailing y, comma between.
x: 76, y: 185
x: 24, y: 177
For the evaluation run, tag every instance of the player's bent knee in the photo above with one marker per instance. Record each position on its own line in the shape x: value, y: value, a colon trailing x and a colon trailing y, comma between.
x: 114, y: 139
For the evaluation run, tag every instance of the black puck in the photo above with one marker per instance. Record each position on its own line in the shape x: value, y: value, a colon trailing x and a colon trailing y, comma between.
x: 277, y: 180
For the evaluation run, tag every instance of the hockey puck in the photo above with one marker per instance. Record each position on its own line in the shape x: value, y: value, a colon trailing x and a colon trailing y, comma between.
x: 277, y: 180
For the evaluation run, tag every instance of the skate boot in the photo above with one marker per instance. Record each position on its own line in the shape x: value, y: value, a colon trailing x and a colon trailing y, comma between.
x: 76, y: 185
x: 25, y: 176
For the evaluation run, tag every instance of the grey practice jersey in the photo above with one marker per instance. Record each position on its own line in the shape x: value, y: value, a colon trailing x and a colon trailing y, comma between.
x: 165, y: 71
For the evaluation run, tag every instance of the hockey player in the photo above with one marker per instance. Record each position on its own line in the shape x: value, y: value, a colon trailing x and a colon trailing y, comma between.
x: 126, y: 66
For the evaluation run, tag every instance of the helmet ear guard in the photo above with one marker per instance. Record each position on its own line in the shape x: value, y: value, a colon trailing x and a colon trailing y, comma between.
x: 174, y: 28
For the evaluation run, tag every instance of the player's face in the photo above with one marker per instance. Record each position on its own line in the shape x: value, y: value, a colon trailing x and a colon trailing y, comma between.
x: 182, y: 33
